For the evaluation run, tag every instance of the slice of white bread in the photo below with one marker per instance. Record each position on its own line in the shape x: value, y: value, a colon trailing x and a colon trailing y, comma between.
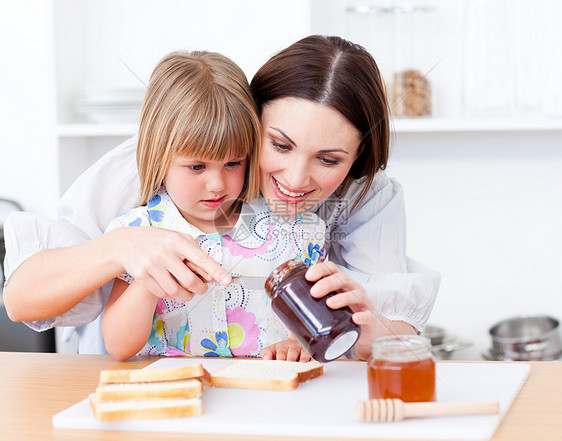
x: 142, y: 410
x: 149, y: 391
x: 150, y: 375
x: 265, y: 374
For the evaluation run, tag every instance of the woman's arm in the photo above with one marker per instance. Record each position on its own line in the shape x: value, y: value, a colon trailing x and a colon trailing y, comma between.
x: 368, y: 243
x: 127, y: 320
x: 52, y: 266
x: 34, y: 243
x: 51, y: 282
x: 329, y: 279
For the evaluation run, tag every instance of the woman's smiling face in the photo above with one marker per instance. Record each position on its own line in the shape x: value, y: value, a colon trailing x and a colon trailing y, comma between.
x: 307, y: 151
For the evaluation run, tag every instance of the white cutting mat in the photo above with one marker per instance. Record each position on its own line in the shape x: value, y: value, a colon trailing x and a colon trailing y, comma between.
x: 325, y: 406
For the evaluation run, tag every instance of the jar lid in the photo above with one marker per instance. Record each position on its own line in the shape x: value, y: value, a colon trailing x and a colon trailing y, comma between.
x: 401, y: 348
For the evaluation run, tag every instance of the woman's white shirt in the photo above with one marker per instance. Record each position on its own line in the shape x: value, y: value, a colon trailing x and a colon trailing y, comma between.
x: 369, y: 244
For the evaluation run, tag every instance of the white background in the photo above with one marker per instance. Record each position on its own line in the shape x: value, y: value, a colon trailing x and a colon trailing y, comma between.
x: 484, y: 207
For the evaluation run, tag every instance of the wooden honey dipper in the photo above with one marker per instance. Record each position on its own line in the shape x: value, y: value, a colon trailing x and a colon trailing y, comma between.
x: 393, y: 409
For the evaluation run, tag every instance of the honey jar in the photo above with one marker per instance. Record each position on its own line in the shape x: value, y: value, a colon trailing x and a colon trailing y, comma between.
x: 401, y: 366
x: 325, y: 333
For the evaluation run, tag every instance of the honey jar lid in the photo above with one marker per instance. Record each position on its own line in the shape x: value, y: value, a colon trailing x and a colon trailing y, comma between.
x: 401, y: 348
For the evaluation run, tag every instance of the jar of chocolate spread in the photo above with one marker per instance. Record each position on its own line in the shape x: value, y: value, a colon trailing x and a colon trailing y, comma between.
x: 325, y: 333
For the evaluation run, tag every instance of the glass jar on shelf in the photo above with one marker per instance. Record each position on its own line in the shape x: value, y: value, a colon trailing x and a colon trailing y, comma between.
x: 414, y: 59
x: 403, y: 37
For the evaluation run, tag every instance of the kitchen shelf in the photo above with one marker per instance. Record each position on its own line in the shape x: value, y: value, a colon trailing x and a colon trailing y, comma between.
x: 451, y: 125
x: 399, y: 125
x: 96, y: 130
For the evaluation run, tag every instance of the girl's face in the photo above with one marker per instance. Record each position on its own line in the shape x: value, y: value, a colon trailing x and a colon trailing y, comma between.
x: 205, y: 190
x: 308, y: 150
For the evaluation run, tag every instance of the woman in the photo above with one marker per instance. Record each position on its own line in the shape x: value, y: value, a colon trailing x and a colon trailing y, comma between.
x: 325, y: 145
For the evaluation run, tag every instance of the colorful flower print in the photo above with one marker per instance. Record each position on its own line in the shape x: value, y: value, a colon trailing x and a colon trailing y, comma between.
x: 242, y: 331
x: 161, y: 306
x: 153, y: 208
x: 174, y: 352
x: 157, y: 332
x: 237, y: 249
x: 161, y: 349
x: 217, y: 345
x: 156, y: 344
x: 136, y: 222
x: 183, y: 337
x: 313, y: 254
x: 154, y: 347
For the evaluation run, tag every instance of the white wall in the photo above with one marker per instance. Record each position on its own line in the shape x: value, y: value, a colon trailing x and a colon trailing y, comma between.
x: 485, y: 209
x: 125, y: 39
x: 28, y: 158
x: 52, y: 50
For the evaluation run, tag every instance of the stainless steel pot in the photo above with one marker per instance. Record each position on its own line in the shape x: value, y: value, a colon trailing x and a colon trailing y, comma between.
x: 526, y: 338
x: 442, y: 346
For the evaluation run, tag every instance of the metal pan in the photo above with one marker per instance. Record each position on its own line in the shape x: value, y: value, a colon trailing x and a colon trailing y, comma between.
x: 526, y: 338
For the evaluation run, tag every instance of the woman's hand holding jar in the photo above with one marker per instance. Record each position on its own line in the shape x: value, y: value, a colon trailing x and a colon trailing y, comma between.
x: 330, y: 279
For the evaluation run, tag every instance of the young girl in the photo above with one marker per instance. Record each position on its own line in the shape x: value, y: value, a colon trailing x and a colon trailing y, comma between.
x: 197, y: 159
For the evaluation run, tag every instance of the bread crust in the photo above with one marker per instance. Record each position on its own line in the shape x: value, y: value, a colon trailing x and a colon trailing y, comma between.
x: 151, y: 375
x: 146, y: 391
x: 152, y: 410
x: 255, y: 383
x: 311, y: 374
x: 265, y: 374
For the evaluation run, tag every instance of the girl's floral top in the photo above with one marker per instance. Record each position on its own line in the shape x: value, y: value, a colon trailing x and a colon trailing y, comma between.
x: 232, y: 320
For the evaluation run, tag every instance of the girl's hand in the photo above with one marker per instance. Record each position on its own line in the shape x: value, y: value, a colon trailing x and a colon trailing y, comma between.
x: 167, y: 263
x: 289, y: 350
x: 329, y: 279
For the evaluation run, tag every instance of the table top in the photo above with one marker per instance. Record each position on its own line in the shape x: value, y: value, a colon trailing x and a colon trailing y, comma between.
x: 36, y: 386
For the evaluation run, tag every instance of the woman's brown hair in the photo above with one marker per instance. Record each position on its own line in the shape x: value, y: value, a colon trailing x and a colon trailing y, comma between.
x: 197, y: 104
x: 334, y: 72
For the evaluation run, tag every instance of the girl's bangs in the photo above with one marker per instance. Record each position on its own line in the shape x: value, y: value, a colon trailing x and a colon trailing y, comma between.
x: 223, y: 137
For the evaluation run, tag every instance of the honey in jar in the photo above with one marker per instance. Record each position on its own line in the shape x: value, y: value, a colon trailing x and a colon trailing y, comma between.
x: 403, y: 367
x: 325, y: 333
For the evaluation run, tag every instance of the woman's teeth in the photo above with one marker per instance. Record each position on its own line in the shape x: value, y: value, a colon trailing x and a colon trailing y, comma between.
x: 287, y: 192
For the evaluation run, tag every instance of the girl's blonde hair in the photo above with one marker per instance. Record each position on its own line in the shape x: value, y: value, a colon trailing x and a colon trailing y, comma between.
x: 198, y: 104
